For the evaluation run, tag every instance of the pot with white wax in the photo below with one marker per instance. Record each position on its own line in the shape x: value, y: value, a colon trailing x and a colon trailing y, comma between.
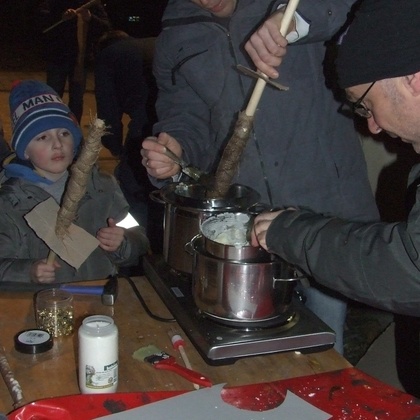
x: 227, y: 235
x: 186, y: 207
x: 234, y: 282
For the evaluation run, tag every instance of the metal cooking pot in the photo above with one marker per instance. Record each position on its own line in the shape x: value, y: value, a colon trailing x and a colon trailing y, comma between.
x: 226, y: 236
x: 186, y: 206
x: 241, y: 291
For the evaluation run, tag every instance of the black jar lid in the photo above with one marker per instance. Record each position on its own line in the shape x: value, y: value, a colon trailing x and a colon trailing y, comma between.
x: 33, y: 341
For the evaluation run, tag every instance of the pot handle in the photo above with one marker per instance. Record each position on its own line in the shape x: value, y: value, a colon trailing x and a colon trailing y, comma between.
x: 303, y: 279
x: 156, y: 197
x: 258, y: 208
x: 188, y: 247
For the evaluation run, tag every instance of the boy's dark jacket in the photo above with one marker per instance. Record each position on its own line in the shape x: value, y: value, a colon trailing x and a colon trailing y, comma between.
x: 20, y: 246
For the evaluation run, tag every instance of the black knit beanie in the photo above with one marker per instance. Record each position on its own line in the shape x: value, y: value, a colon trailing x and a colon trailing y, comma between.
x: 383, y: 41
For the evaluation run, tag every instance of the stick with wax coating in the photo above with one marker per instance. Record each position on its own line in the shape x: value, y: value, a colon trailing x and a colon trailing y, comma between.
x: 76, y: 186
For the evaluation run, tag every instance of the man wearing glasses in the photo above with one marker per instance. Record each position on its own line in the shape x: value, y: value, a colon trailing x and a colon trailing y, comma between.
x: 359, y: 108
x: 378, y: 65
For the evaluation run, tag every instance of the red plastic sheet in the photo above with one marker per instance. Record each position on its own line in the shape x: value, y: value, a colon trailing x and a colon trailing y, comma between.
x: 86, y: 406
x: 347, y: 394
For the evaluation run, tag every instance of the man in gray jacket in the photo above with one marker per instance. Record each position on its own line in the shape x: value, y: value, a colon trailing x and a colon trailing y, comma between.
x: 376, y: 263
x: 301, y: 152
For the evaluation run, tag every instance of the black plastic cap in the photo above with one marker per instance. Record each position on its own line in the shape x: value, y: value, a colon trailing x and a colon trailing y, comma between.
x: 33, y: 341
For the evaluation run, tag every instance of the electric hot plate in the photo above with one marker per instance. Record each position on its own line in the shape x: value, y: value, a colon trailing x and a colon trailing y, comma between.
x: 223, y: 344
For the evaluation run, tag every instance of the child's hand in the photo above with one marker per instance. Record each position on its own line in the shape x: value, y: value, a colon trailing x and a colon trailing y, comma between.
x: 41, y: 272
x: 110, y: 237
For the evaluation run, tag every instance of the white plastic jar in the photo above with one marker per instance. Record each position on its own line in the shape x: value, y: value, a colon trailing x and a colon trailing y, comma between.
x: 98, y: 355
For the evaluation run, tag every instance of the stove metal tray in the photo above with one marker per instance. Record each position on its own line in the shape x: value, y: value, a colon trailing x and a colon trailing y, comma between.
x: 220, y: 344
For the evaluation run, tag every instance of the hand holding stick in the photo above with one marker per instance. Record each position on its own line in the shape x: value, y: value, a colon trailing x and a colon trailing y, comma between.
x: 259, y: 87
x: 78, y: 10
x: 237, y: 143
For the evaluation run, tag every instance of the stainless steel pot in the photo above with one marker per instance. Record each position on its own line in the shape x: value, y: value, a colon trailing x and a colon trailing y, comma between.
x: 241, y: 291
x: 226, y: 236
x: 186, y: 206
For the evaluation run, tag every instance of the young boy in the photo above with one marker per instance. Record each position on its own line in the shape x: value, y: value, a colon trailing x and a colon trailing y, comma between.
x: 46, y: 138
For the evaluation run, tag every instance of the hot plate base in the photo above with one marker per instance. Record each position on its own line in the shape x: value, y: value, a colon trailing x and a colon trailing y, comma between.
x: 219, y: 344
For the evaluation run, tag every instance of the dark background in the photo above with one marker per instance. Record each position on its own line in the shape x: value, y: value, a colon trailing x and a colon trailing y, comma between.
x: 20, y: 35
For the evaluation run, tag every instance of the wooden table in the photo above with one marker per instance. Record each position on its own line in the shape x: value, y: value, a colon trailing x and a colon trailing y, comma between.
x: 54, y: 373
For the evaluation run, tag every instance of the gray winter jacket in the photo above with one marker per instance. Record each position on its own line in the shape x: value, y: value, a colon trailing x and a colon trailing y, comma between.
x: 302, y: 150
x: 375, y: 263
x: 20, y: 247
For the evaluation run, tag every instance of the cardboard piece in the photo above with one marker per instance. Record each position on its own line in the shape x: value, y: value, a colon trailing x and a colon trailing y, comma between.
x: 209, y: 404
x: 75, y: 248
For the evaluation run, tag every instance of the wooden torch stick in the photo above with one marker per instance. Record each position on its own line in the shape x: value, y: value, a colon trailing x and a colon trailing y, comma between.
x: 78, y: 10
x: 236, y: 145
x: 76, y: 186
x: 12, y: 384
x: 259, y: 87
x: 51, y: 257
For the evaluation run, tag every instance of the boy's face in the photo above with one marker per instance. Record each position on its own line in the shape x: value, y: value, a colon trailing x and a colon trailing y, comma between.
x: 51, y: 152
x: 219, y: 8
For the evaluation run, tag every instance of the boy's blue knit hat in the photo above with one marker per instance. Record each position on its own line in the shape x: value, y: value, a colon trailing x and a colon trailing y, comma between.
x: 35, y: 107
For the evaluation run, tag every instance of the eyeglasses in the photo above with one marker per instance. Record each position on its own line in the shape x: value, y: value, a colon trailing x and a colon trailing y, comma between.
x: 360, y: 109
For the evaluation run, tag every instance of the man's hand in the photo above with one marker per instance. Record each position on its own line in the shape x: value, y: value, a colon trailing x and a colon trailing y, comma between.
x: 262, y: 223
x: 155, y: 161
x: 267, y: 46
x: 69, y: 14
x: 72, y: 13
x: 110, y: 238
x: 41, y: 272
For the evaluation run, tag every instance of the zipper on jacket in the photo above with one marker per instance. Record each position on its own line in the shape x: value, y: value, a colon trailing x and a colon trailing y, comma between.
x: 181, y: 63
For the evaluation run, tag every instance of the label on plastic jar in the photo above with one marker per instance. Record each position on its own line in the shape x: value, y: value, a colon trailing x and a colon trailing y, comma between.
x: 102, y: 377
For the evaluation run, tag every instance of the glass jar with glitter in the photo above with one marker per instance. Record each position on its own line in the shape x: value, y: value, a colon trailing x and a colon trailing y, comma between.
x: 54, y: 312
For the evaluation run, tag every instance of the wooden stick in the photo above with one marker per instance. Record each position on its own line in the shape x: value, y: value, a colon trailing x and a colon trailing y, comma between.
x: 259, y: 87
x: 237, y: 143
x: 51, y: 257
x: 255, y: 97
x: 79, y: 68
x: 76, y: 186
x: 78, y: 10
x: 80, y: 172
x: 231, y: 156
x: 12, y: 384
